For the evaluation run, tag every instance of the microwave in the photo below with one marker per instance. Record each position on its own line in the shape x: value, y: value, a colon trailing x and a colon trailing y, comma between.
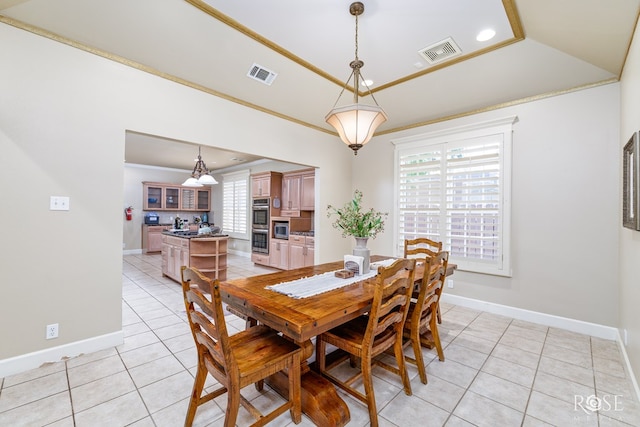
x: 281, y: 230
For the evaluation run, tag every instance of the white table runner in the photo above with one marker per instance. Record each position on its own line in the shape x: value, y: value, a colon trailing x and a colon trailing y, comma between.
x: 325, y: 282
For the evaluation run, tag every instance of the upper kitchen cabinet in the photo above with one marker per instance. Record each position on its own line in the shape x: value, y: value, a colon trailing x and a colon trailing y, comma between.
x: 153, y: 196
x: 266, y: 184
x: 171, y: 197
x: 195, y: 199
x: 308, y: 192
x: 298, y: 192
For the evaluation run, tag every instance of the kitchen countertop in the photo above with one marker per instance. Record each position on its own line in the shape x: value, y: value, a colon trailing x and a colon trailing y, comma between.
x: 185, y: 234
x: 302, y: 233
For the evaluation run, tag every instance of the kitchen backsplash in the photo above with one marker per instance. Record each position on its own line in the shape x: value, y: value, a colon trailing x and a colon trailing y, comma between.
x: 167, y: 217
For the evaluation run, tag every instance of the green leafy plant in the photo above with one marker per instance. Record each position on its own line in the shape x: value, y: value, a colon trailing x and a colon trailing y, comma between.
x: 352, y: 220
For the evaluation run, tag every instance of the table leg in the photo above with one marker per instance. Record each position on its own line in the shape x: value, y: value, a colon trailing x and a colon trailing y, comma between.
x: 320, y: 401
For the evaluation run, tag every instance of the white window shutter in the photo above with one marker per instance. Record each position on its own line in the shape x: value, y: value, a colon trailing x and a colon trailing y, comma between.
x: 454, y: 187
x: 235, y: 204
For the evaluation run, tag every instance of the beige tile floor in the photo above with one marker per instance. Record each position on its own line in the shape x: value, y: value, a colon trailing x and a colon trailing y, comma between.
x: 498, y: 372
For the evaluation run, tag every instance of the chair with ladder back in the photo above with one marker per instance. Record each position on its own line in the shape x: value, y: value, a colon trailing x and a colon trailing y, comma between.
x: 422, y: 247
x: 370, y: 335
x: 247, y: 357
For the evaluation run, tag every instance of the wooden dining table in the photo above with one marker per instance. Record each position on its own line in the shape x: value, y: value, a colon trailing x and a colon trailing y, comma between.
x: 302, y: 319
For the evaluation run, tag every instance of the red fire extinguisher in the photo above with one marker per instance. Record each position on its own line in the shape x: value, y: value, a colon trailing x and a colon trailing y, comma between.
x: 128, y: 213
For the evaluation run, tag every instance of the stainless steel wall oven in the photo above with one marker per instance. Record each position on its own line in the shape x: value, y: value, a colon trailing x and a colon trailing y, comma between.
x: 260, y: 214
x: 260, y: 241
x: 260, y: 225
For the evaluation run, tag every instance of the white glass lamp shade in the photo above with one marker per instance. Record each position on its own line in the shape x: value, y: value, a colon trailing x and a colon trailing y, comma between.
x: 191, y: 182
x: 356, y: 123
x: 207, y: 179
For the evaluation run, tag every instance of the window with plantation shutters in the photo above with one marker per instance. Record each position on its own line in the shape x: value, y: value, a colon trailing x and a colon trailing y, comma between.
x: 235, y: 204
x: 454, y: 187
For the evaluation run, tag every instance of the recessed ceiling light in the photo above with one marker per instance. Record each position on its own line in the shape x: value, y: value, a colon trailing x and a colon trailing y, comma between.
x: 485, y: 35
x: 366, y: 83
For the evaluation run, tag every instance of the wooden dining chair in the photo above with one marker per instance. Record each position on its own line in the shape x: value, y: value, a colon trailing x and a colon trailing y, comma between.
x: 245, y: 358
x: 368, y: 336
x: 421, y: 328
x: 422, y: 247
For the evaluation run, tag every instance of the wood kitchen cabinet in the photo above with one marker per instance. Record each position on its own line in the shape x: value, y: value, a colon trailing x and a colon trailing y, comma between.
x: 153, y: 195
x: 159, y: 196
x: 290, y: 195
x: 195, y: 199
x: 308, y: 192
x: 175, y: 254
x: 172, y: 198
x: 152, y: 238
x: 207, y: 254
x: 301, y: 251
x: 298, y: 192
x: 266, y: 184
x: 279, y: 254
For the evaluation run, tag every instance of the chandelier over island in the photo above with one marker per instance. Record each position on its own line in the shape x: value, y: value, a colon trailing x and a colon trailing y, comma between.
x: 200, y: 175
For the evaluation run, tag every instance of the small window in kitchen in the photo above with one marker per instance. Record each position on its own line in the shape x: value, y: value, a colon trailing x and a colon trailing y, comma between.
x: 455, y: 186
x: 235, y: 204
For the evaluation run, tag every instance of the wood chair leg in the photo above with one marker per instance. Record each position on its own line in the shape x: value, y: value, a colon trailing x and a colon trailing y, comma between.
x: 367, y: 379
x: 436, y: 340
x: 196, y: 392
x: 402, y: 367
x: 233, y: 406
x: 353, y: 361
x: 438, y: 313
x: 417, y: 352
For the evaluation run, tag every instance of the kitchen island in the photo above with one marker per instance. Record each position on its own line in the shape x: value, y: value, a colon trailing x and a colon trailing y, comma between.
x: 206, y: 252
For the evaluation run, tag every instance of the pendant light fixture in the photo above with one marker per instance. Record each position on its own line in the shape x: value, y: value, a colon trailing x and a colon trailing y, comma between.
x: 356, y: 123
x: 200, y: 175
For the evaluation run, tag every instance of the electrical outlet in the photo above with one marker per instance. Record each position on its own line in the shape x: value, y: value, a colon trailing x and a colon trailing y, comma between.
x: 59, y: 203
x: 52, y: 331
x: 450, y: 283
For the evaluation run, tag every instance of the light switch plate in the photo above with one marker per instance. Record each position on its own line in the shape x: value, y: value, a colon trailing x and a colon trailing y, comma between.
x: 59, y: 203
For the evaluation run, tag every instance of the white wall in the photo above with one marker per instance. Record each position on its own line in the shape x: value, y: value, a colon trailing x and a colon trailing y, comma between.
x: 565, y: 212
x: 629, y: 239
x: 63, y: 118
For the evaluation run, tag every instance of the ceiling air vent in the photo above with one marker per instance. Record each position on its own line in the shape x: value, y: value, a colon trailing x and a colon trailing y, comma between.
x: 261, y: 74
x: 440, y: 51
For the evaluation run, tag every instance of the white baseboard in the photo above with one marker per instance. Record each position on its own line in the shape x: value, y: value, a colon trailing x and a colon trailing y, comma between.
x: 132, y: 252
x: 25, y: 362
x: 592, y: 329
x: 627, y: 363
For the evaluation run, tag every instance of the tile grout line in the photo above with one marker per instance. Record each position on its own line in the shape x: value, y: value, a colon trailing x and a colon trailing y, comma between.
x: 535, y: 375
x: 466, y: 390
